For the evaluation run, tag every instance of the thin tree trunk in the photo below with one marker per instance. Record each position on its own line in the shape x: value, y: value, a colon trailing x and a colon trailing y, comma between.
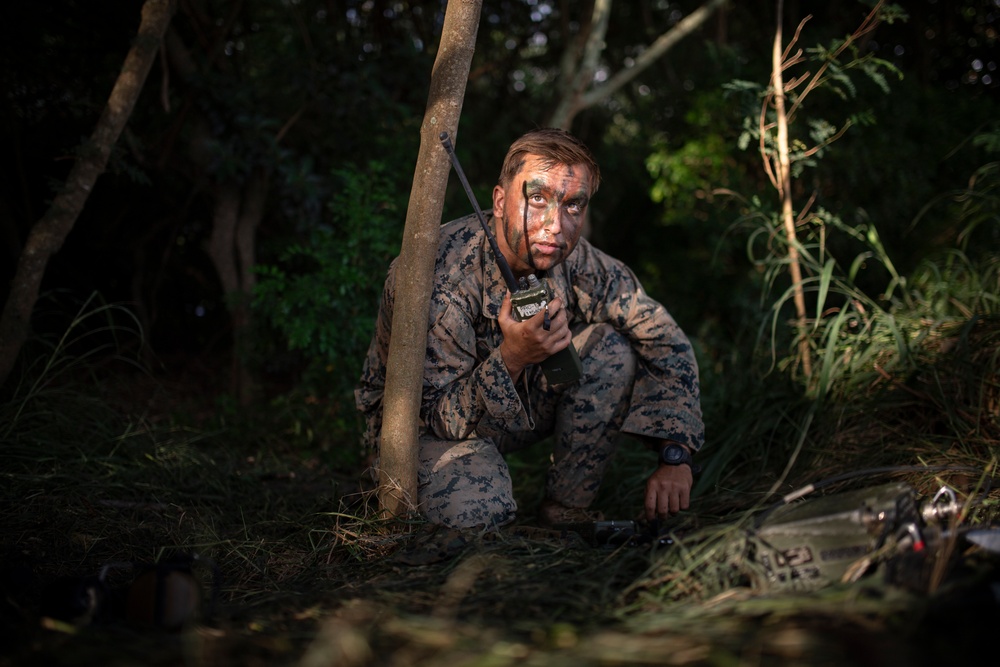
x: 225, y: 217
x: 238, y: 208
x: 397, y: 491
x: 49, y: 233
x: 578, y: 97
x: 581, y: 76
x: 238, y: 212
x: 780, y: 171
x: 244, y: 246
x: 784, y: 181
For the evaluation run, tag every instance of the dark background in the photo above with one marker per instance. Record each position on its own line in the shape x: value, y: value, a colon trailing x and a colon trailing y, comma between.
x: 344, y: 86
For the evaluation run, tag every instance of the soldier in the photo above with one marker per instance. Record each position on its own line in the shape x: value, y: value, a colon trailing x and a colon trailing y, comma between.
x: 484, y: 395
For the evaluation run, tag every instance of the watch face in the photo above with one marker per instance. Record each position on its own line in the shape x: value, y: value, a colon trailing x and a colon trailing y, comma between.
x: 673, y: 454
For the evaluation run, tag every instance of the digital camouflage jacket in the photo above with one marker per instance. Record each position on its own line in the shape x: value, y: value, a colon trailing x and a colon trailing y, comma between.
x: 467, y: 391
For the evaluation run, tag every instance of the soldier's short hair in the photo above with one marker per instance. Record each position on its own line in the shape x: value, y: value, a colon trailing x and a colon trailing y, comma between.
x: 554, y: 146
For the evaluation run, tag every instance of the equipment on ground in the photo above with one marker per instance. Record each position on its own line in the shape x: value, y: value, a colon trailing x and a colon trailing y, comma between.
x: 806, y: 544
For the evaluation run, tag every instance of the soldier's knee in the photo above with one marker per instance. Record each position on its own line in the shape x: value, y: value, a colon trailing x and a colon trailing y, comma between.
x: 464, y: 484
x: 608, y: 352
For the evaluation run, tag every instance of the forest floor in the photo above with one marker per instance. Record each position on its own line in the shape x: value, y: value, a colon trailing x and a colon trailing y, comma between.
x: 292, y: 570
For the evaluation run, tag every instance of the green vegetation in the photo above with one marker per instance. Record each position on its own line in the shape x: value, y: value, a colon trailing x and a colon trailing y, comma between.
x: 122, y: 440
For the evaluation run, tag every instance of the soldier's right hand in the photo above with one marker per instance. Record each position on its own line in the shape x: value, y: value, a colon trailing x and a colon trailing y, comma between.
x: 529, y: 342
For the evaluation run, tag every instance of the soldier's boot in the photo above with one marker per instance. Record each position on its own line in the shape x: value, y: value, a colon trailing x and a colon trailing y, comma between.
x: 552, y: 514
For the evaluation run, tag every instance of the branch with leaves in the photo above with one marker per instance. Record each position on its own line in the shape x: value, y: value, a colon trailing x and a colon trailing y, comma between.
x: 782, y: 102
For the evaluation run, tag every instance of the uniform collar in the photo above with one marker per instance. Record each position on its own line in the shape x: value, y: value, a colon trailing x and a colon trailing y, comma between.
x: 494, y: 287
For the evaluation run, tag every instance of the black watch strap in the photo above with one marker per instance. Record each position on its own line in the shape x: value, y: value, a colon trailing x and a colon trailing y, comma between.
x: 673, y: 454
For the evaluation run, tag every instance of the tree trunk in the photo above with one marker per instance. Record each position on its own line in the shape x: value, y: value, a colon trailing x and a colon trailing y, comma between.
x: 238, y: 208
x: 244, y: 378
x: 49, y: 233
x: 238, y: 212
x: 404, y: 368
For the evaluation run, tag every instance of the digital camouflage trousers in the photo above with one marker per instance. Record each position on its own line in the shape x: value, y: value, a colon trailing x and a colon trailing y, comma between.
x: 467, y: 483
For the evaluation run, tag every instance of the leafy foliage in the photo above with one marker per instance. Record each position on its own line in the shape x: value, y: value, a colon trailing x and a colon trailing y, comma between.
x: 871, y: 323
x: 322, y: 294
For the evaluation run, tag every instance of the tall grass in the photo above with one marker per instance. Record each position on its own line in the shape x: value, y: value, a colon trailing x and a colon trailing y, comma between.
x: 97, y: 333
x: 906, y: 386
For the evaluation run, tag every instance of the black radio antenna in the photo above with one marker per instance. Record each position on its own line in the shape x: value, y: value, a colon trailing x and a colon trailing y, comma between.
x: 508, y: 275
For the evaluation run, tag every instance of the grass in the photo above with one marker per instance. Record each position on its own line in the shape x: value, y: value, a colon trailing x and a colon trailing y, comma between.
x: 113, y: 467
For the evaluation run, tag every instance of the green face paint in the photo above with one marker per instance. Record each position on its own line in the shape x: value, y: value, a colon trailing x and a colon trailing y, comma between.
x: 552, y: 208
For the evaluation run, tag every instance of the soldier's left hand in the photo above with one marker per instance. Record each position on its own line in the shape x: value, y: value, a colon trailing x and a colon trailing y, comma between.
x: 668, y: 491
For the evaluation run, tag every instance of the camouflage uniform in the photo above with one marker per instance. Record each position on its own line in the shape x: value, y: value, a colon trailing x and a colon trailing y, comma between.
x: 639, y: 377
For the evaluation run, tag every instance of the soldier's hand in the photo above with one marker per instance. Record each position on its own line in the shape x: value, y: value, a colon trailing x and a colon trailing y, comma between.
x: 668, y: 491
x: 529, y: 342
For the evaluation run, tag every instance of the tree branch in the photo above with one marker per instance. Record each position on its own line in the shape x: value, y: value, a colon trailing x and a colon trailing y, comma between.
x: 663, y: 43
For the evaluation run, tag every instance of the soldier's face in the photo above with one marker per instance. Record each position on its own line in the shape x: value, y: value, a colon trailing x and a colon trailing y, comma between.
x: 541, y: 214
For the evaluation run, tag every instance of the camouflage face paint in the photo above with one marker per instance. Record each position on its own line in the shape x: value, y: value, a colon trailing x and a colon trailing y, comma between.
x: 552, y: 204
x: 515, y: 240
x: 555, y: 205
x: 524, y: 193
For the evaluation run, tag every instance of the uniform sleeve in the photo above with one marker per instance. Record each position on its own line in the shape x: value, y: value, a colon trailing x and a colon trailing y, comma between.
x: 666, y: 397
x: 463, y: 395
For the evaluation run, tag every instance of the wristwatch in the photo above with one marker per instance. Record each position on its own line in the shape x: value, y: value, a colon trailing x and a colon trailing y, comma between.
x: 675, y: 455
